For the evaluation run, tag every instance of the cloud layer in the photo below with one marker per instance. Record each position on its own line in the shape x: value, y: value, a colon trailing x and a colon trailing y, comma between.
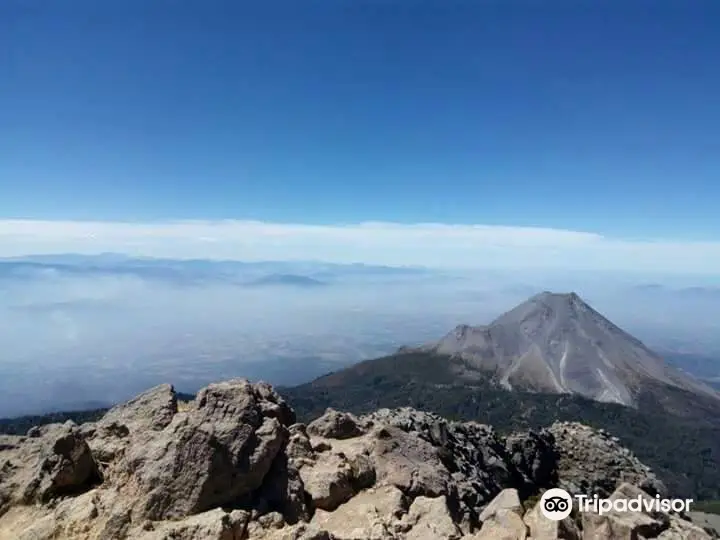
x: 425, y: 244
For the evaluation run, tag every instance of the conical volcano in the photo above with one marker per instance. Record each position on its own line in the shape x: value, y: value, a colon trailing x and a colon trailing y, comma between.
x: 557, y: 343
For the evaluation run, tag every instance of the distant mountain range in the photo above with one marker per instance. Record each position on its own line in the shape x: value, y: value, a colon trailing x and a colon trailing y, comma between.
x: 290, y: 280
x: 193, y: 271
x: 686, y: 292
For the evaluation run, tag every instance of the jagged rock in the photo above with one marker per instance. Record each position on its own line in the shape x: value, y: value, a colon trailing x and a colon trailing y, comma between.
x: 638, y: 524
x: 283, y: 490
x: 503, y: 524
x: 54, y: 461
x: 684, y: 530
x: 593, y: 462
x: 468, y: 462
x: 542, y: 528
x: 535, y: 457
x: 627, y: 491
x: 368, y: 515
x: 109, y: 438
x: 233, y: 465
x: 330, y: 481
x: 300, y: 531
x: 335, y: 425
x: 299, y: 446
x: 154, y: 409
x: 430, y: 518
x: 619, y: 526
x: 212, y: 525
x: 213, y: 454
x: 409, y: 463
x: 507, y: 499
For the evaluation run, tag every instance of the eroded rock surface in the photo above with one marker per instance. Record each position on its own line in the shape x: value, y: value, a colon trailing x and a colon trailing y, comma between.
x: 234, y: 465
x: 593, y: 462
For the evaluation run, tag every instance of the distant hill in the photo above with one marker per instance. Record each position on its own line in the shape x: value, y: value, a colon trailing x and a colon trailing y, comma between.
x: 193, y: 272
x: 21, y: 424
x: 290, y: 280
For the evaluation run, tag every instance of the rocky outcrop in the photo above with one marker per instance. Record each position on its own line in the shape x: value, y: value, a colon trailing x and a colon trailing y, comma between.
x: 593, y: 462
x: 234, y: 465
x: 51, y: 461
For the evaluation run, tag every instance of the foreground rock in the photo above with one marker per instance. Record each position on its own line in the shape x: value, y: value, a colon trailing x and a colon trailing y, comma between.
x: 593, y: 462
x: 234, y: 465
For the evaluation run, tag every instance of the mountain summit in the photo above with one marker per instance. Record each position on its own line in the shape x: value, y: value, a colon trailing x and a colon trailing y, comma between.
x: 557, y: 343
x: 233, y: 464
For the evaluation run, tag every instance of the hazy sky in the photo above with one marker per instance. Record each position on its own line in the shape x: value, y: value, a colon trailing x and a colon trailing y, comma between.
x: 583, y: 116
x: 425, y: 244
x: 75, y: 337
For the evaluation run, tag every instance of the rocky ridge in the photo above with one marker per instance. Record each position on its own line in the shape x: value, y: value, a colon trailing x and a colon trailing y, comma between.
x: 234, y: 465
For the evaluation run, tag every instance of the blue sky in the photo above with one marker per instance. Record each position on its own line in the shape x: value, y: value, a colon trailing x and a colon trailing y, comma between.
x: 599, y: 117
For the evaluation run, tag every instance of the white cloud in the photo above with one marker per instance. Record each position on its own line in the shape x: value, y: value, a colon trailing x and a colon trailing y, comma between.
x: 428, y: 244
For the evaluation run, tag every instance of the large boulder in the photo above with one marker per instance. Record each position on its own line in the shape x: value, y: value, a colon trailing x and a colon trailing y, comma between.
x: 212, y: 455
x: 372, y: 513
x: 336, y: 425
x: 430, y: 517
x: 52, y: 461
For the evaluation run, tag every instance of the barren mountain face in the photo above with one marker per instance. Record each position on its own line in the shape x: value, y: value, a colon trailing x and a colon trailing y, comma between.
x: 557, y: 343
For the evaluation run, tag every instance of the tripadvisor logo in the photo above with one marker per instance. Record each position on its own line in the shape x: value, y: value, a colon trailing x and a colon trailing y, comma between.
x: 557, y: 504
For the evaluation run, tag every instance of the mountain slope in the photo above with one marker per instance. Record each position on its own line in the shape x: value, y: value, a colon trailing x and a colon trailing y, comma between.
x: 679, y: 437
x: 556, y: 343
x: 551, y: 358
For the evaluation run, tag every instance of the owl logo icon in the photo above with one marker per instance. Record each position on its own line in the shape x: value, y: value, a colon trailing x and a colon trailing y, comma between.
x: 556, y: 504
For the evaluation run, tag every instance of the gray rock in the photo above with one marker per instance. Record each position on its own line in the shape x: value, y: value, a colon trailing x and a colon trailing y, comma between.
x: 542, y: 528
x: 619, y: 526
x: 430, y: 518
x: 212, y: 525
x: 507, y: 499
x: 504, y: 524
x: 215, y: 453
x: 371, y: 513
x: 335, y: 478
x: 335, y: 425
x: 153, y: 410
x: 55, y: 461
x: 534, y: 455
x: 593, y: 463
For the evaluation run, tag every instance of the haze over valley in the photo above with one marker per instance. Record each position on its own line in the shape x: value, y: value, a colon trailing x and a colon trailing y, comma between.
x: 81, y: 332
